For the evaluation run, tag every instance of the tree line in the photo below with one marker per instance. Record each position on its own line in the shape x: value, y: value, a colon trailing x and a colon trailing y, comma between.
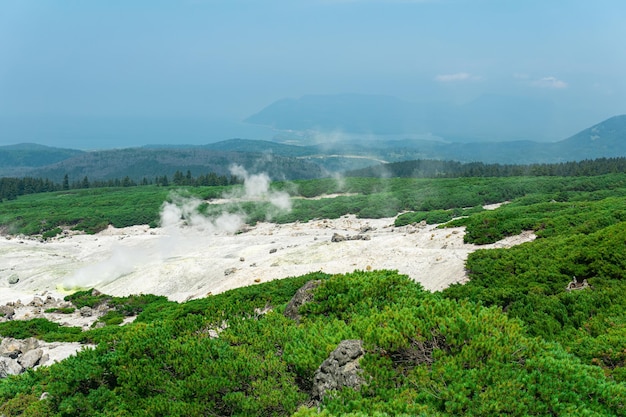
x: 423, y: 168
x: 11, y: 188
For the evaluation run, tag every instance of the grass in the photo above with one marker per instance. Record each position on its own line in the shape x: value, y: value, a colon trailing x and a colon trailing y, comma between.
x: 92, y: 210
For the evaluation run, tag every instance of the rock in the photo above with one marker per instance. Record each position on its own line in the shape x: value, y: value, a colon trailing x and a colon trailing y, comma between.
x: 7, y: 312
x: 30, y: 359
x: 230, y: 271
x: 86, y: 311
x: 273, y: 250
x: 341, y: 238
x: 11, y: 348
x: 103, y: 309
x: 29, y: 344
x: 302, y: 296
x: 9, y: 367
x: 37, y: 302
x: 367, y: 228
x: 13, y: 279
x: 242, y: 259
x: 45, y: 358
x: 337, y: 238
x: 341, y: 369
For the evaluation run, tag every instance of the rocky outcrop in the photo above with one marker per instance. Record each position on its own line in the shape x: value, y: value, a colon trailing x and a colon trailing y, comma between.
x: 341, y: 238
x: 575, y: 285
x: 341, y: 369
x: 16, y: 356
x: 302, y: 296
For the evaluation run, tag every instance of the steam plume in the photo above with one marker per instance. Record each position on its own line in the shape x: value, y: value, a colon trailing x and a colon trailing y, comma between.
x: 183, y: 224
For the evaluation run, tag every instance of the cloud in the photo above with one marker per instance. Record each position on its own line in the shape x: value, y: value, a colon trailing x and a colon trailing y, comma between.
x: 459, y: 76
x: 549, y: 82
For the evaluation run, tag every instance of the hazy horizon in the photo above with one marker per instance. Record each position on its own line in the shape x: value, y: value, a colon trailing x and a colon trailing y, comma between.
x: 92, y: 75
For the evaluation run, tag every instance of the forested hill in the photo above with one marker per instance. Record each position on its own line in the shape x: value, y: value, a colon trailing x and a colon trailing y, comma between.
x: 33, y: 155
x: 139, y: 163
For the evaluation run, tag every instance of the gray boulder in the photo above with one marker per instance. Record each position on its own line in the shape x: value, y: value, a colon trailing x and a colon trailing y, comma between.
x: 9, y: 367
x: 86, y: 311
x: 337, y: 238
x: 341, y: 369
x: 30, y: 359
x: 7, y: 311
x: 11, y: 348
x: 302, y: 296
x: 37, y: 302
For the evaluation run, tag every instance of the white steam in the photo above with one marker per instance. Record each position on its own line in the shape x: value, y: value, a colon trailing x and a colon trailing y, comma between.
x: 183, y: 226
x: 257, y: 187
x: 122, y: 262
x: 183, y: 212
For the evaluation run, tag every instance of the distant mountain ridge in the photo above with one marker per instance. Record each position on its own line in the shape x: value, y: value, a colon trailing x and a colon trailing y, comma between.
x: 606, y: 139
x: 487, y: 118
x: 598, y: 140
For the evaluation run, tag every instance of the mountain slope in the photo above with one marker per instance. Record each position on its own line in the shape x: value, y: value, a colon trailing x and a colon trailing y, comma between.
x: 607, y: 138
x: 138, y: 163
x: 33, y: 155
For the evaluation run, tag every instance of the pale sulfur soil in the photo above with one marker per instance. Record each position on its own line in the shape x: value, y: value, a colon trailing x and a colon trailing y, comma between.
x: 181, y: 263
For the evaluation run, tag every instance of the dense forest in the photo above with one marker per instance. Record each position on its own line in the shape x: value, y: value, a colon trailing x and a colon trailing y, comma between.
x: 454, y: 169
x: 11, y: 188
x: 539, y: 329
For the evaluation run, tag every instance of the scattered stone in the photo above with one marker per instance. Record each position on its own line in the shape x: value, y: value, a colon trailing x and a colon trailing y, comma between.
x: 303, y: 296
x: 14, y: 279
x: 242, y: 259
x: 230, y: 271
x: 341, y: 369
x: 257, y: 280
x: 367, y: 228
x: 273, y: 250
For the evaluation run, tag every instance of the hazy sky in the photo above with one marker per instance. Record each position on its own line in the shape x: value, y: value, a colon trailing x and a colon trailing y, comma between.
x: 122, y: 72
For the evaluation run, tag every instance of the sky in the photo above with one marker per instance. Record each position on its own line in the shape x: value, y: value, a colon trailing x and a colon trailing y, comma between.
x: 118, y: 73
